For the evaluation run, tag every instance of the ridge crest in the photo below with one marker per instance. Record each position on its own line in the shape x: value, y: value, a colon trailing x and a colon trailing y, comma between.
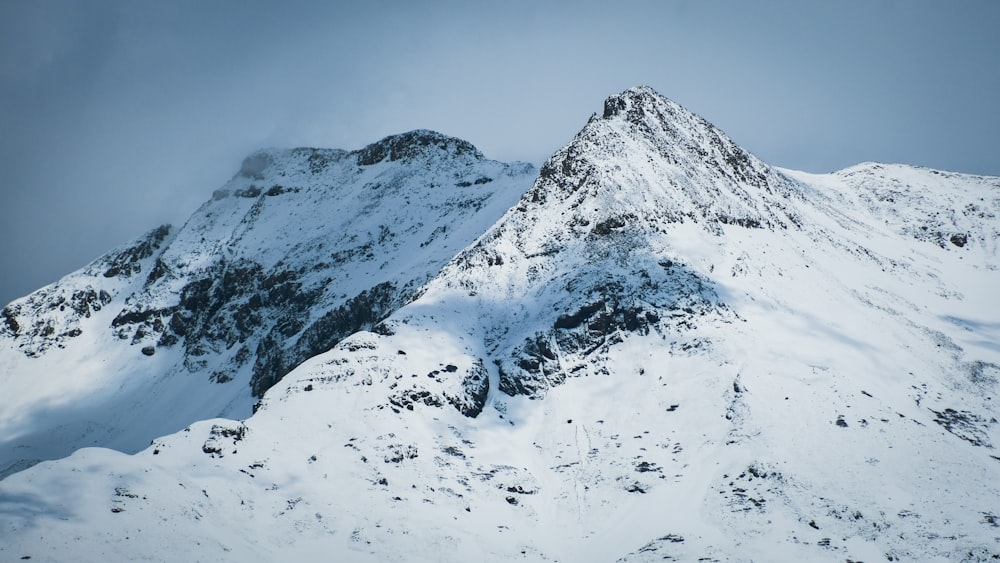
x: 412, y: 144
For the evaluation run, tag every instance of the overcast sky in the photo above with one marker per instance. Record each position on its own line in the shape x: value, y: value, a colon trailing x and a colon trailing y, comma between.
x: 116, y: 117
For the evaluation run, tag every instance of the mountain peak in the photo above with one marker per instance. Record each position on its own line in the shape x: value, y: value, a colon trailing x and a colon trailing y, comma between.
x: 648, y: 152
x: 646, y: 110
x: 664, y: 349
x: 632, y: 100
x: 420, y: 142
x: 405, y: 147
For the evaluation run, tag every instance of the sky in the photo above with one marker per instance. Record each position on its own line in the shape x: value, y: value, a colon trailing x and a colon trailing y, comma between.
x: 116, y: 117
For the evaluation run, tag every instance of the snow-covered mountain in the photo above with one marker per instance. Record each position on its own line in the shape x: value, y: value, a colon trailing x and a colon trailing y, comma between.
x: 300, y: 249
x: 665, y: 349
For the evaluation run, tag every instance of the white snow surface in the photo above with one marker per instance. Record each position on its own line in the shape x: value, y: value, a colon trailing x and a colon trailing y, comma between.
x: 690, y: 355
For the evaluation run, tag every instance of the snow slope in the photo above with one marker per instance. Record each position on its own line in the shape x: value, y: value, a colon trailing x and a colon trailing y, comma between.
x: 301, y: 248
x: 667, y: 349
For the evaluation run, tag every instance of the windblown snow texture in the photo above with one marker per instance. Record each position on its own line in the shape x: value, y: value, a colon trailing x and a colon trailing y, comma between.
x: 666, y: 349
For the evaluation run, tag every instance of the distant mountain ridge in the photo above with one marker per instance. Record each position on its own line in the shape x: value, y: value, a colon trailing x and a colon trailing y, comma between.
x: 300, y: 249
x: 661, y: 349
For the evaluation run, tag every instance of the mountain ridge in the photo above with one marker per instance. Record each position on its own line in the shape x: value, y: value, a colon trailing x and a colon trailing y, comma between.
x: 300, y: 248
x: 664, y: 348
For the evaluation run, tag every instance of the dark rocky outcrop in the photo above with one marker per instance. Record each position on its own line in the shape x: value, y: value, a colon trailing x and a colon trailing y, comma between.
x: 965, y: 425
x: 127, y: 262
x: 475, y: 387
x: 602, y: 316
x: 49, y: 317
x: 275, y: 357
x: 413, y: 144
x: 240, y: 304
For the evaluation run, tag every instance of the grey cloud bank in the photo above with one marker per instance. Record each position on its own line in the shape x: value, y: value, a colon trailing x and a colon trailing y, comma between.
x: 116, y: 117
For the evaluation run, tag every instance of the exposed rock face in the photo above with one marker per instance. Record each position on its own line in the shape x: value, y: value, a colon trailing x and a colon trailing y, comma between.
x: 275, y: 357
x: 128, y: 262
x: 52, y: 316
x: 414, y: 145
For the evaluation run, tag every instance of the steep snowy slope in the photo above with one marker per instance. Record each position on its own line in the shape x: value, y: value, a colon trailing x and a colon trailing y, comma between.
x: 666, y: 349
x: 300, y: 249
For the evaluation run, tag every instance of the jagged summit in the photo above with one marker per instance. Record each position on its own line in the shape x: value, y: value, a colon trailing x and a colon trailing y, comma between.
x: 405, y: 147
x: 685, y: 139
x: 650, y: 159
x: 633, y: 102
x: 661, y: 119
x: 410, y: 145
